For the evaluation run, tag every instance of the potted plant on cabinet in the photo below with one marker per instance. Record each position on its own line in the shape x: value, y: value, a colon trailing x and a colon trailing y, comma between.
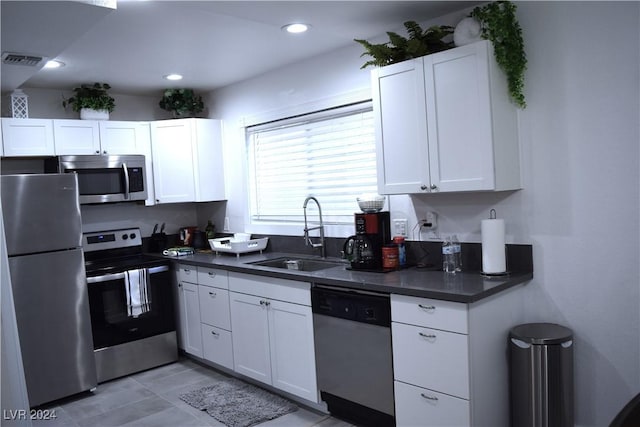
x: 399, y: 48
x: 92, y: 101
x: 497, y: 23
x: 181, y: 102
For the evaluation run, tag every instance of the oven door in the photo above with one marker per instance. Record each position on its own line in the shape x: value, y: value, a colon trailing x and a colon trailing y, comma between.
x: 130, y: 305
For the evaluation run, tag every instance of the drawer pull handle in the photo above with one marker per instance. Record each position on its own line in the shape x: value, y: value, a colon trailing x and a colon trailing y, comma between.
x: 213, y: 294
x: 212, y: 274
x: 264, y: 302
x: 214, y: 333
x: 186, y: 271
x: 427, y: 307
x: 432, y: 398
x: 422, y: 334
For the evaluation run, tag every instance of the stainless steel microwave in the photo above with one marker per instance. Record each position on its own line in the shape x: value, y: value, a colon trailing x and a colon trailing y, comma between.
x: 104, y: 179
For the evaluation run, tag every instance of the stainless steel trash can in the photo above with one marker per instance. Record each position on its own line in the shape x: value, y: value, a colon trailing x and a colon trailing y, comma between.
x: 541, y: 375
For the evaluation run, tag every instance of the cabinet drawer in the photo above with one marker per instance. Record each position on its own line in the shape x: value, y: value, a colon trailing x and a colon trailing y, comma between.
x: 214, y: 307
x: 187, y: 273
x: 216, y: 346
x: 271, y: 287
x: 416, y: 406
x: 213, y: 277
x: 431, y: 358
x: 430, y: 313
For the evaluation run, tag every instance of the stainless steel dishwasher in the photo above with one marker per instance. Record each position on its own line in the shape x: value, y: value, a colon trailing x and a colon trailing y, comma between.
x: 352, y: 332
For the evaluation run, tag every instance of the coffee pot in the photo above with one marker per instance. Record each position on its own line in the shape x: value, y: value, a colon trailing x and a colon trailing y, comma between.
x: 360, y: 250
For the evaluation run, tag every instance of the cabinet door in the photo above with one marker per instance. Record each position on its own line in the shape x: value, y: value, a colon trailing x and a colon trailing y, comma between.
x: 416, y: 406
x: 208, y: 165
x: 117, y: 137
x: 401, y: 128
x: 214, y: 307
x: 172, y: 161
x: 76, y: 137
x: 459, y: 119
x: 293, y: 366
x: 189, y: 309
x: 27, y: 137
x: 250, y: 336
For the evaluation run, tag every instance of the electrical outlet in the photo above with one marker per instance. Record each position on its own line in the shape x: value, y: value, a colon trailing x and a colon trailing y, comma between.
x: 431, y: 221
x: 400, y: 227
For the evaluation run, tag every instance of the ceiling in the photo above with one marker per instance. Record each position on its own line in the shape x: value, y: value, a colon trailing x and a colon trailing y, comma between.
x: 211, y: 43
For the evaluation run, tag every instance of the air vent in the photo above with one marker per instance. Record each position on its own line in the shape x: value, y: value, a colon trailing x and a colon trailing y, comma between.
x: 21, y: 59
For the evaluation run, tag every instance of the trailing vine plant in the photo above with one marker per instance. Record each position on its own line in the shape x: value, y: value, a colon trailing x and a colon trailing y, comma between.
x: 500, y: 26
x: 399, y: 48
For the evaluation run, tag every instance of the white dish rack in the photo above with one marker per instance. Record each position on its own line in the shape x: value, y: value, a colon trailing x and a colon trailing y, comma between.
x: 234, y: 246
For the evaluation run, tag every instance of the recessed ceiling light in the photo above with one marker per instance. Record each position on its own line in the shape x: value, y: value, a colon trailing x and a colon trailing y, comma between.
x: 296, y: 28
x: 53, y: 64
x: 173, y: 77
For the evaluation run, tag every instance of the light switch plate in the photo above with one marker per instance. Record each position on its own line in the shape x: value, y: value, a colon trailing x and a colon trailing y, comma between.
x: 400, y: 227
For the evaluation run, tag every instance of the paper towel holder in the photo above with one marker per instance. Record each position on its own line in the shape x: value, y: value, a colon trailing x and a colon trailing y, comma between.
x: 492, y: 215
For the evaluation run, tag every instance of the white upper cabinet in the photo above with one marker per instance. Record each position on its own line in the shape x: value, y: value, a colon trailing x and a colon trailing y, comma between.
x: 119, y: 137
x: 27, y: 137
x: 445, y: 123
x: 77, y: 137
x: 187, y: 160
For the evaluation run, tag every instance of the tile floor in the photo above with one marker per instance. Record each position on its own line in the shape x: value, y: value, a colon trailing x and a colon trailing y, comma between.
x: 151, y: 399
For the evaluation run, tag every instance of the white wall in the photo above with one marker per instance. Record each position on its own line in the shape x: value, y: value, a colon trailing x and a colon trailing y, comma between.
x: 47, y: 104
x: 580, y: 164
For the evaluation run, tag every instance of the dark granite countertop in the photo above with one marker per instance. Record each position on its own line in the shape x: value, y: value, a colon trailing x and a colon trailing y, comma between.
x: 464, y: 287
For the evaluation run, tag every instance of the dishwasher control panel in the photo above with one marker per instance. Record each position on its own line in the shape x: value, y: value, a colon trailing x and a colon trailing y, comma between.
x: 351, y: 305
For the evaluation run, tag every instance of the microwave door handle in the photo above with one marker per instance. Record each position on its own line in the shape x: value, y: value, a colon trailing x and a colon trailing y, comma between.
x: 126, y: 181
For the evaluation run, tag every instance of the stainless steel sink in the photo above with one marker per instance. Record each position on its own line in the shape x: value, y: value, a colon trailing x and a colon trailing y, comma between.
x: 300, y: 264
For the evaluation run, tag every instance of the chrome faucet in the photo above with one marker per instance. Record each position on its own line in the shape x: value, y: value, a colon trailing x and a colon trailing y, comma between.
x: 307, y: 238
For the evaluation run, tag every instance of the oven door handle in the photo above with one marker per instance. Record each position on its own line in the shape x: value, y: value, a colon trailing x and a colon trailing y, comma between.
x: 117, y: 276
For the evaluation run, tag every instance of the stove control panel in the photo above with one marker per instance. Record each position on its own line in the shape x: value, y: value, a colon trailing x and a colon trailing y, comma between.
x: 111, y: 239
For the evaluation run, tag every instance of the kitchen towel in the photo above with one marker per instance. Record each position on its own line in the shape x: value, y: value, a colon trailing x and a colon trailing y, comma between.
x: 493, y: 246
x: 137, y: 292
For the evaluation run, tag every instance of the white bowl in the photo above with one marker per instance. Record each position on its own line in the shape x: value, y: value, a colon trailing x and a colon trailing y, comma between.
x: 370, y: 203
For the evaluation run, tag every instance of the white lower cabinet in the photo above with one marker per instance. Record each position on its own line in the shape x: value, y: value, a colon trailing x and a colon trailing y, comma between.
x: 204, y: 322
x: 189, y: 329
x: 450, y: 361
x: 273, y: 333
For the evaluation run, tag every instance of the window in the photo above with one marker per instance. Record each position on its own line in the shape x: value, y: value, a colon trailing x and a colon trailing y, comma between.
x: 328, y: 154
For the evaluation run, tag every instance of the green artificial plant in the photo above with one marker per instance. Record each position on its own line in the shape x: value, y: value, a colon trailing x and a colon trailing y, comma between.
x: 399, y: 48
x: 501, y: 27
x: 93, y: 96
x: 181, y: 102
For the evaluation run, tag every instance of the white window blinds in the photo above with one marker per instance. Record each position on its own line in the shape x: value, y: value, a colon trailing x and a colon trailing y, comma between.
x: 328, y: 154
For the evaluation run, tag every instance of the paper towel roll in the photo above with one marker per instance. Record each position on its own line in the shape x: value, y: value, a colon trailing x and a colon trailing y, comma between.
x: 493, y: 246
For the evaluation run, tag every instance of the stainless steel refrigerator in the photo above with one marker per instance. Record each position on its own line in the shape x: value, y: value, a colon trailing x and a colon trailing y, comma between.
x: 41, y: 214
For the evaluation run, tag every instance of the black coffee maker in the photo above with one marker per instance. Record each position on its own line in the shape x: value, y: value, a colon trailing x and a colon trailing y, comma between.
x: 364, y: 249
